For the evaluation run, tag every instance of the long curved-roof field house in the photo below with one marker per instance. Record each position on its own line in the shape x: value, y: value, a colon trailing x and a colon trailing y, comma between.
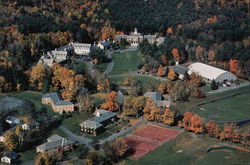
x: 210, y: 73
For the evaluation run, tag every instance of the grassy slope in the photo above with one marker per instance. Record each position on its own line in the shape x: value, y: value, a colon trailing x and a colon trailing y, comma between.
x: 125, y: 62
x: 190, y: 149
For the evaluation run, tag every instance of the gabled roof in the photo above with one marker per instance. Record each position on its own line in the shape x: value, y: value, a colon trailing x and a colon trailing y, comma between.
x: 56, y: 100
x: 156, y: 96
x: 54, y: 142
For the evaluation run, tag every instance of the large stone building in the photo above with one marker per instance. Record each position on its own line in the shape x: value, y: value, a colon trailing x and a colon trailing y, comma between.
x: 210, y: 73
x: 63, y: 53
x: 135, y: 38
x: 55, y: 144
x: 95, y: 125
x: 57, y: 104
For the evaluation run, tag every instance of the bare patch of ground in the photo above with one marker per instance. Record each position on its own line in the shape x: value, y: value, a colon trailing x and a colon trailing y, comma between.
x: 9, y: 103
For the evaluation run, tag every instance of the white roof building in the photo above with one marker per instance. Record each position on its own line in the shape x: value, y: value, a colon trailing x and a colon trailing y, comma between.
x: 81, y: 48
x: 210, y: 73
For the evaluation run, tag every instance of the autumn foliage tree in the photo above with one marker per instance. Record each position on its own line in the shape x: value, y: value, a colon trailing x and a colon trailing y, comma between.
x: 66, y: 80
x: 195, y: 80
x: 37, y: 76
x: 150, y: 110
x: 171, y: 74
x: 5, y: 86
x: 120, y: 147
x: 107, y: 32
x: 196, y: 92
x: 61, y: 38
x: 111, y: 102
x: 167, y: 117
x: 228, y: 131
x: 212, y: 129
x: 192, y: 122
x: 133, y: 106
x: 161, y: 71
x: 103, y: 85
x: 176, y: 54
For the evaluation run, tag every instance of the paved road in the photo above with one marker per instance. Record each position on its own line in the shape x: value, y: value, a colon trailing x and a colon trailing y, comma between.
x: 223, y: 89
x: 122, y: 132
x: 110, y: 65
x: 80, y: 139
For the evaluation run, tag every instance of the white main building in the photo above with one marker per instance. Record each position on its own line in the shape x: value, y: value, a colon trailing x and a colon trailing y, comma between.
x: 210, y: 73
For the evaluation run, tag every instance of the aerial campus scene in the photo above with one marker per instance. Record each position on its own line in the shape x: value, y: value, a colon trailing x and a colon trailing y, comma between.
x: 124, y: 82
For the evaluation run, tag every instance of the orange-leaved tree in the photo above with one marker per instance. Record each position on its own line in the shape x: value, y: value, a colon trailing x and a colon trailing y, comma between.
x: 111, y: 102
x: 150, y: 110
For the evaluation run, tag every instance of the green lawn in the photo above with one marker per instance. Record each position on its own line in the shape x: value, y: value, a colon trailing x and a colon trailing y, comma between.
x: 145, y: 81
x: 233, y: 109
x: 190, y: 149
x: 186, y: 106
x: 27, y: 155
x: 100, y: 136
x: 125, y: 62
x: 72, y: 123
x: 102, y: 67
x: 59, y: 132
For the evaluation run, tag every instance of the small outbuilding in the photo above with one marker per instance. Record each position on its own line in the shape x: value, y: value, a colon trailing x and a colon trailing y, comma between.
x: 210, y: 73
x: 9, y: 158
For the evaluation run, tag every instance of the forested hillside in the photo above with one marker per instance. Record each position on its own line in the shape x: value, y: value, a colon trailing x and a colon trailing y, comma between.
x: 213, y: 31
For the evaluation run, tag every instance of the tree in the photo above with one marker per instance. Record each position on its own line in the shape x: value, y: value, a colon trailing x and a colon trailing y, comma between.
x: 180, y: 91
x: 196, y: 124
x: 11, y: 140
x: 196, y: 92
x: 84, y: 103
x: 186, y: 120
x: 107, y: 32
x: 4, y: 85
x: 92, y: 158
x: 227, y: 132
x: 161, y: 71
x: 128, y: 80
x: 61, y: 38
x: 150, y: 110
x: 133, y: 106
x: 43, y: 159
x: 211, y: 128
x: 171, y: 74
x: 214, y: 85
x: 120, y: 147
x: 167, y: 117
x: 195, y: 80
x: 37, y: 76
x: 111, y: 102
x: 103, y: 85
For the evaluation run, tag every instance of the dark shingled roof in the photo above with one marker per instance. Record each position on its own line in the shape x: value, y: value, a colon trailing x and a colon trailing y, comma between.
x: 56, y: 100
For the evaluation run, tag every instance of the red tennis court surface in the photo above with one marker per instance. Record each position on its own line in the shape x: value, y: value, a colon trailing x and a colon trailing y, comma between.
x: 148, y: 138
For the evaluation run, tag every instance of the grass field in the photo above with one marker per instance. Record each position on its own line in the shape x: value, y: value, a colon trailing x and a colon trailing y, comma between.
x: 186, y: 106
x: 190, y: 149
x: 232, y: 108
x: 72, y: 123
x: 27, y: 155
x: 145, y: 81
x: 102, y: 67
x: 125, y: 62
